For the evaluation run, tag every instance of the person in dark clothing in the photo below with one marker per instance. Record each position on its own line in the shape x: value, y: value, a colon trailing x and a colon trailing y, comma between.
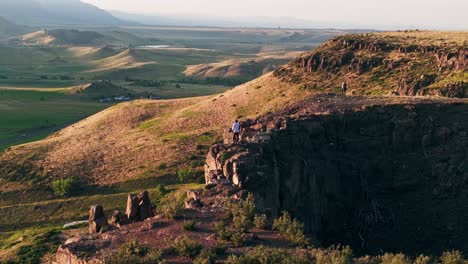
x: 344, y: 88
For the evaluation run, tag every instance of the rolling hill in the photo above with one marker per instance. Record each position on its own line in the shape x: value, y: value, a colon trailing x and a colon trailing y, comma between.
x: 56, y: 12
x: 245, y: 69
x: 133, y: 139
x: 71, y: 37
x: 146, y: 142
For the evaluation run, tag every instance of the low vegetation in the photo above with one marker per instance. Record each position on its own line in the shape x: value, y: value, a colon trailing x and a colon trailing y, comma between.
x: 265, y: 255
x: 189, y: 225
x: 133, y: 253
x: 292, y: 229
x: 172, y: 204
x: 186, y: 247
x: 261, y: 221
x: 65, y: 187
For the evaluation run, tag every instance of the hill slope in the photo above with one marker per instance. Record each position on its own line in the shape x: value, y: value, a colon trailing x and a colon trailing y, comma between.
x: 71, y: 37
x: 403, y: 63
x: 246, y: 69
x: 133, y: 139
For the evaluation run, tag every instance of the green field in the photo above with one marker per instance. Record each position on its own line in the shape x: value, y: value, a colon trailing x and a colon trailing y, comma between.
x: 30, y: 115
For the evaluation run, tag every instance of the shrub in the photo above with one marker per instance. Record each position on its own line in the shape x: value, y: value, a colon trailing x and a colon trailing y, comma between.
x: 334, y: 256
x: 64, y: 187
x: 390, y: 258
x: 452, y: 257
x: 238, y: 238
x: 263, y: 255
x: 220, y: 249
x: 189, y: 225
x: 421, y: 259
x: 171, y: 205
x: 242, y: 212
x: 291, y: 229
x: 260, y: 221
x: 186, y: 247
x: 221, y: 231
x: 162, y: 166
x: 205, y: 257
x: 133, y: 253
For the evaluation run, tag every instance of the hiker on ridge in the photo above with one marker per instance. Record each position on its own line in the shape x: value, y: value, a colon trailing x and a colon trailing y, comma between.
x: 344, y: 88
x: 236, y: 129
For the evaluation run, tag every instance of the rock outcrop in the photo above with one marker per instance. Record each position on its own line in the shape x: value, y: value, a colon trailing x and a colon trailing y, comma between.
x: 388, y: 175
x: 383, y: 64
x: 97, y: 219
x: 139, y: 207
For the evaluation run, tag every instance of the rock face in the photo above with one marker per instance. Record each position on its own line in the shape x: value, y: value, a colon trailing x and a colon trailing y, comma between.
x: 97, y: 219
x: 392, y: 176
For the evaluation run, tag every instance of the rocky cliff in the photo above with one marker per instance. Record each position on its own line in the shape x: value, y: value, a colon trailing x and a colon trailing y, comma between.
x: 378, y: 174
x: 383, y: 63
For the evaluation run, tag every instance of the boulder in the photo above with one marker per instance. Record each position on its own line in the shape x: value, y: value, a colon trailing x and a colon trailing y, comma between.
x: 139, y: 207
x: 119, y: 219
x: 97, y: 219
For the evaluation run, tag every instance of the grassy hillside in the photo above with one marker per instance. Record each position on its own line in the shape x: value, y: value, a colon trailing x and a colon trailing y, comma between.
x: 245, y: 69
x: 402, y: 63
x: 152, y: 140
x: 133, y: 139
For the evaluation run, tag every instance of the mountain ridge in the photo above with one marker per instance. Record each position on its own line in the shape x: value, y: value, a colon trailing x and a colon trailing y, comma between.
x: 69, y: 12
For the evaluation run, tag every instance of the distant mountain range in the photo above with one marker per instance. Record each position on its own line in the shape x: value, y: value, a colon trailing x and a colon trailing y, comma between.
x: 57, y: 12
x: 8, y: 29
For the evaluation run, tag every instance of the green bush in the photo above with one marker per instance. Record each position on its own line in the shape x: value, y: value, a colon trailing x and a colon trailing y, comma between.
x: 189, y: 225
x: 334, y: 256
x: 133, y: 253
x: 221, y: 231
x: 242, y: 212
x: 291, y: 229
x: 452, y: 257
x: 238, y: 238
x: 171, y: 205
x: 186, y: 247
x: 205, y: 257
x: 64, y: 187
x: 260, y: 221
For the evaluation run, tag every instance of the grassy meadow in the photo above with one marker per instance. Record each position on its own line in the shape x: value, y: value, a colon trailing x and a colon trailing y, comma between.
x: 35, y: 102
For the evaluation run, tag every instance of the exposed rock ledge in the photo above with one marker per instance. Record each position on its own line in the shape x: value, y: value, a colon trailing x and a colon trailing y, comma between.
x: 376, y: 173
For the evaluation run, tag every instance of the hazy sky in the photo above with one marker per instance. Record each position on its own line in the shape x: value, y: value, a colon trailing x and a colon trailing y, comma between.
x: 446, y: 14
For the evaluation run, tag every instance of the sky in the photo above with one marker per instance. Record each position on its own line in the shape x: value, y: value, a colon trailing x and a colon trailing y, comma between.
x: 426, y: 14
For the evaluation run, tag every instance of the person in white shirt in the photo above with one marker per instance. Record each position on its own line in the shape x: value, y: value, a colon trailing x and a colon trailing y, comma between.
x: 236, y: 129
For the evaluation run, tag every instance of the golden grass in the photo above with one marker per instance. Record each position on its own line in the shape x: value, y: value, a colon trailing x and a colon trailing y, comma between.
x: 38, y: 38
x: 240, y: 68
x: 126, y: 59
x: 426, y: 37
x: 131, y: 138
